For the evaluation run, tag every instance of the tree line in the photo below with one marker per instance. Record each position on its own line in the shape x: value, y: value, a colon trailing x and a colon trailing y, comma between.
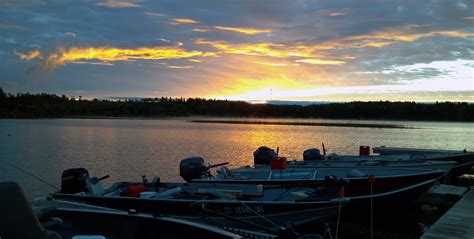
x: 26, y: 105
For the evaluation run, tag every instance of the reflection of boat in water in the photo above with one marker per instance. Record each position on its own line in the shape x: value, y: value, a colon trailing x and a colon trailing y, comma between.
x: 247, y: 206
x: 55, y: 219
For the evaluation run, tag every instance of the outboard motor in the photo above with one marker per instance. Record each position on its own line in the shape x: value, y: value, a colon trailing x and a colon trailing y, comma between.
x: 263, y: 155
x: 74, y: 180
x: 311, y: 154
x: 192, y: 168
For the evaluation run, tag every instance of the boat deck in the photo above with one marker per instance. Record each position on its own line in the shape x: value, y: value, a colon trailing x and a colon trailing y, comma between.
x: 457, y: 222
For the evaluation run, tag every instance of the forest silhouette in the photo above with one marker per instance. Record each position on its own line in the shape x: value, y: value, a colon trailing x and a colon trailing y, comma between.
x: 26, y: 105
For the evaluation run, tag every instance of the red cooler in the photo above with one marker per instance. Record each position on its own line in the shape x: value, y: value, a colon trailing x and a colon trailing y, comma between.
x: 279, y: 163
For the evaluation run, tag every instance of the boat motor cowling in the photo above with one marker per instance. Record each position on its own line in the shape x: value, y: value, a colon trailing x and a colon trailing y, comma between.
x: 312, y: 154
x: 264, y: 155
x: 192, y: 168
x: 73, y: 180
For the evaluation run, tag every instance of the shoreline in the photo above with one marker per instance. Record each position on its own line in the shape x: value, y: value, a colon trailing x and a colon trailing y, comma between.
x: 229, y: 118
x: 296, y: 123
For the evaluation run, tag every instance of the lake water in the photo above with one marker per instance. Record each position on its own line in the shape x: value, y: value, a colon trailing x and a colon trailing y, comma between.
x: 127, y: 148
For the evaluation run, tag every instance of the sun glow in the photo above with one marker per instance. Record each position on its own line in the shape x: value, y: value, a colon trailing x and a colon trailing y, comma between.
x: 260, y: 89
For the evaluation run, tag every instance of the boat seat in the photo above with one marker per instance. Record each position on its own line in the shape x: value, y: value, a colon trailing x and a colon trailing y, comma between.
x: 17, y: 218
x: 225, y: 172
x: 354, y: 173
x: 46, y: 215
x: 94, y: 186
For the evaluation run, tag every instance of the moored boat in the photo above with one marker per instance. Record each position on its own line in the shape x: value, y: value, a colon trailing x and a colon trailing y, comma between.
x: 462, y: 157
x: 243, y: 206
x: 355, y: 179
x: 55, y: 219
x: 391, y: 185
x: 456, y: 164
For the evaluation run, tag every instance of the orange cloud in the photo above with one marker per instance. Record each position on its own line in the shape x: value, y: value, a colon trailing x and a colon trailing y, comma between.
x: 274, y: 50
x: 183, y: 21
x: 258, y: 49
x: 319, y: 53
x: 248, y: 31
x: 13, y: 26
x: 335, y: 14
x: 114, y: 4
x: 28, y: 56
x: 109, y: 54
x: 454, y: 34
x: 105, y: 63
x: 387, y: 37
x: 200, y: 30
x: 270, y: 64
x: 320, y: 62
x: 155, y: 14
x: 179, y: 67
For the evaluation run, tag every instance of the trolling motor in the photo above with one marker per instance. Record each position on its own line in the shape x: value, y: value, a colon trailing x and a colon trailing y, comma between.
x: 194, y: 168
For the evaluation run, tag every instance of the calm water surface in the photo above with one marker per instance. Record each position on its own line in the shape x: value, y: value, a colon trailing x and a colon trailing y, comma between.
x: 126, y: 149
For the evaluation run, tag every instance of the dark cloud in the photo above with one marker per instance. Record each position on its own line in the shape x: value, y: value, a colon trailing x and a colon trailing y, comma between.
x: 374, y: 39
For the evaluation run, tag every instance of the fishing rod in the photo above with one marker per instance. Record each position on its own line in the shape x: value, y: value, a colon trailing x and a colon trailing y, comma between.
x: 33, y: 176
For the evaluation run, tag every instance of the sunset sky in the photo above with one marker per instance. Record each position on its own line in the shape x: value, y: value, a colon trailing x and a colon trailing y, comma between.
x: 240, y: 50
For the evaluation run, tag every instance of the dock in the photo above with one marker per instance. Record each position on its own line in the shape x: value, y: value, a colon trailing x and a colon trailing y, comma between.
x: 456, y: 223
x: 443, y: 195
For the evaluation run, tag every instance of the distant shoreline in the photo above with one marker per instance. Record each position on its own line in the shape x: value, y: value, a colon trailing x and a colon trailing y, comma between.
x: 53, y: 106
x: 248, y: 120
x: 296, y: 123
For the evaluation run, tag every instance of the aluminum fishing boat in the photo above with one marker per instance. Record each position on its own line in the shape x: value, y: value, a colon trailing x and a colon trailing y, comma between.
x: 62, y: 219
x: 249, y: 206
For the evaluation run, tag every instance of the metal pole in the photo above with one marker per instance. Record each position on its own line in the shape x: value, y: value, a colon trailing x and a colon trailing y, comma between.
x: 371, y: 211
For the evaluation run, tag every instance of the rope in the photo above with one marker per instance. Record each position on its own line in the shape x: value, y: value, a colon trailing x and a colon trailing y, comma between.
x: 327, y: 232
x: 344, y: 149
x: 338, y: 217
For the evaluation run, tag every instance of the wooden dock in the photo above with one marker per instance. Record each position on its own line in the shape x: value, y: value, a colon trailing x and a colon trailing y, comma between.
x: 457, y: 223
x: 443, y: 195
